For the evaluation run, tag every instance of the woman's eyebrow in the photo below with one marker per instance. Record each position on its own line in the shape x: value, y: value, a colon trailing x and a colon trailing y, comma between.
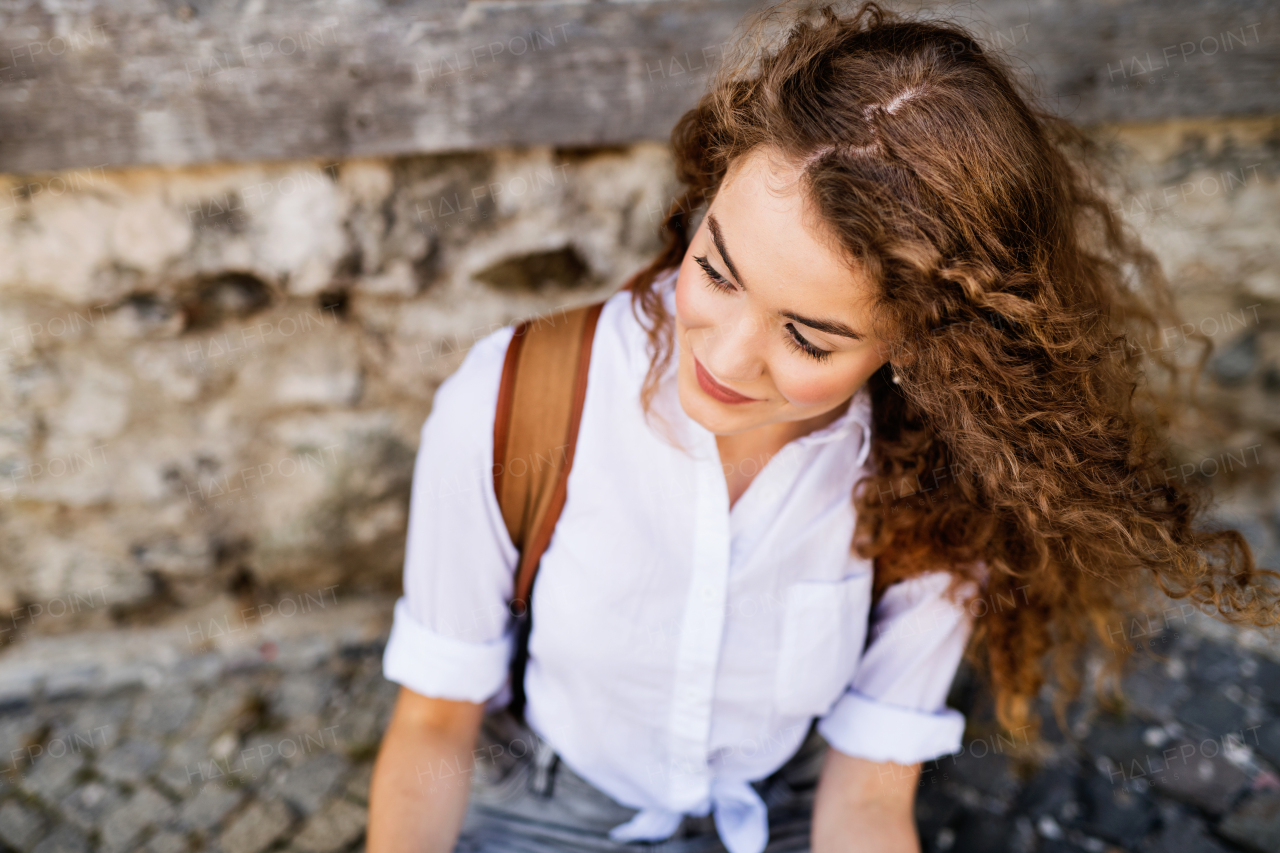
x: 831, y: 327
x: 716, y: 237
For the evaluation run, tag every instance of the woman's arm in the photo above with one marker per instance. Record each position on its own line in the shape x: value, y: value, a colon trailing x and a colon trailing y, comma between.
x: 405, y: 816
x: 865, y: 806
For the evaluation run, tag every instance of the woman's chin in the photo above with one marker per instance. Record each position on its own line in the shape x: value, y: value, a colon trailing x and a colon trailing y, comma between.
x: 710, y: 414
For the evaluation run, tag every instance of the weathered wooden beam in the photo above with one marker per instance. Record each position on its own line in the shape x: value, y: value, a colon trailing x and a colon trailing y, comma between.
x: 122, y: 82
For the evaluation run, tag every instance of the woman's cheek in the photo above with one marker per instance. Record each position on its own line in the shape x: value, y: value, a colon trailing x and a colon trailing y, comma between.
x: 694, y: 306
x: 682, y: 297
x: 822, y: 386
x: 808, y: 387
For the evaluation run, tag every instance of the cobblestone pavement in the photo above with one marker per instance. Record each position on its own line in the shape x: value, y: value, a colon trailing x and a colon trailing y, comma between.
x: 276, y: 755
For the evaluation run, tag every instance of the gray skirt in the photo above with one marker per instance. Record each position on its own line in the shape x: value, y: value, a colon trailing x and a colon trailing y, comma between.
x: 525, y: 800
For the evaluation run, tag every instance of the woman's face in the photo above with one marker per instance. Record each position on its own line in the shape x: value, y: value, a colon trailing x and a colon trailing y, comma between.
x: 768, y: 307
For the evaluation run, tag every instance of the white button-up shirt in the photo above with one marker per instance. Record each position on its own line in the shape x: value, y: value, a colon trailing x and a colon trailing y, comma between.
x: 680, y: 648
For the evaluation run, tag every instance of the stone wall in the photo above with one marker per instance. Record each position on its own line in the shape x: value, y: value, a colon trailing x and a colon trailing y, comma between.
x: 214, y: 377
x: 1204, y: 195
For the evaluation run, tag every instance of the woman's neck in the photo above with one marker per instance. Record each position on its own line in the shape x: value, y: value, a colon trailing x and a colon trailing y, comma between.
x: 760, y: 444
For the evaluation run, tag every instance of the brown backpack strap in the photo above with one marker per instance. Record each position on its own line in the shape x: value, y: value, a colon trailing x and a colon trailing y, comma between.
x: 535, y: 431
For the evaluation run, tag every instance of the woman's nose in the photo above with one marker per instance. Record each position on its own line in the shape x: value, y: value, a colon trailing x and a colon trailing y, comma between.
x: 734, y: 349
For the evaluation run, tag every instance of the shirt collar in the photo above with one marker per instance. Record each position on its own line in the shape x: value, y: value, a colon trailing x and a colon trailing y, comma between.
x: 856, y: 419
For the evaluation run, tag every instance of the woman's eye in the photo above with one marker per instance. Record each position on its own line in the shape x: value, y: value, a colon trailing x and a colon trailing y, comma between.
x: 793, y: 338
x: 718, y: 281
x: 797, y: 342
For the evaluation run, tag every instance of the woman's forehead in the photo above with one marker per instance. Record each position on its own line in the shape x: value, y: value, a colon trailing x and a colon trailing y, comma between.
x: 779, y: 244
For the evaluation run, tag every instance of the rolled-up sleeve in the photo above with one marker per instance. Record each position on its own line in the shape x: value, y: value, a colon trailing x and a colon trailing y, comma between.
x: 895, y: 708
x: 450, y: 635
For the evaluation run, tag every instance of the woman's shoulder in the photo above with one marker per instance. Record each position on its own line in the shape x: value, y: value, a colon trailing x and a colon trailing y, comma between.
x: 625, y: 324
x: 468, y: 397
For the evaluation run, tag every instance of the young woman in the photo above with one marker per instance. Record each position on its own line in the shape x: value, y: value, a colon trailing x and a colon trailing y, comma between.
x: 884, y: 374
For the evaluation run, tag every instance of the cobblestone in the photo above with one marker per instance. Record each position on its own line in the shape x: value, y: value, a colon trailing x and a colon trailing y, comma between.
x: 167, y: 842
x: 163, y: 714
x: 1256, y: 823
x: 1183, y: 834
x: 208, y: 807
x: 1209, y: 782
x: 64, y: 839
x: 1190, y: 763
x: 185, y: 764
x: 331, y: 828
x: 357, y: 787
x: 1269, y: 742
x: 258, y: 757
x: 19, y: 825
x: 89, y: 805
x: 277, y: 756
x: 145, y: 809
x: 102, y: 718
x: 52, y: 776
x: 256, y: 828
x: 305, y: 786
x: 1212, y: 712
x: 131, y: 761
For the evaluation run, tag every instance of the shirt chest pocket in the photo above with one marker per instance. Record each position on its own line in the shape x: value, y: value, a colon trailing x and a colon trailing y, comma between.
x: 824, y: 624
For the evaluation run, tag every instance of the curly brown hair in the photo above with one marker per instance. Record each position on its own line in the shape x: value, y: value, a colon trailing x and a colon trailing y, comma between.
x: 1026, y: 435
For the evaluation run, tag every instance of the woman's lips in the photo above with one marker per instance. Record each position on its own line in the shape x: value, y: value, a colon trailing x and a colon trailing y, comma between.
x: 715, y: 389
